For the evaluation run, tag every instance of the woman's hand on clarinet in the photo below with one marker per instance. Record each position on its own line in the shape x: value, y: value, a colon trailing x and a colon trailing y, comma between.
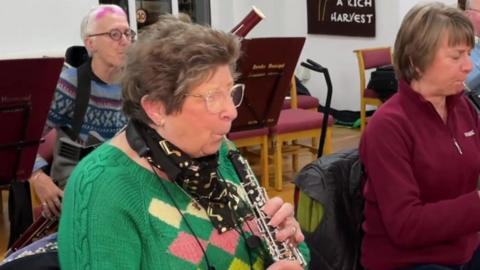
x: 282, y: 217
x: 50, y: 195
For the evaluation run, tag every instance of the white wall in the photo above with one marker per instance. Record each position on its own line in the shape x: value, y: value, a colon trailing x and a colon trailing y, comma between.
x: 405, y: 5
x: 33, y: 28
x: 288, y: 18
x: 336, y: 54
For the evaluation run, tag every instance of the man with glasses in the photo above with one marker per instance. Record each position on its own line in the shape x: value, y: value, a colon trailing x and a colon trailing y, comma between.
x: 107, y: 36
x: 472, y: 10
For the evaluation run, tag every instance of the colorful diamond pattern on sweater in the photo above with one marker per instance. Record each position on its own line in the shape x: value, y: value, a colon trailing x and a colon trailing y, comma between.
x: 224, y: 251
x: 186, y: 247
x: 165, y: 213
x: 238, y: 264
x: 227, y: 241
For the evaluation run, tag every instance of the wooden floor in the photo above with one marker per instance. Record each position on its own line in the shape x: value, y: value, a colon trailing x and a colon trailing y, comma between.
x: 343, y: 138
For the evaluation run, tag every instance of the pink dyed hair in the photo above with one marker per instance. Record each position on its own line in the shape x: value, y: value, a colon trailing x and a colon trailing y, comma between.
x: 105, y: 10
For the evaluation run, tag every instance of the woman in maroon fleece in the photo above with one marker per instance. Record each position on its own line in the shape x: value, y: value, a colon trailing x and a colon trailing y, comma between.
x: 421, y: 151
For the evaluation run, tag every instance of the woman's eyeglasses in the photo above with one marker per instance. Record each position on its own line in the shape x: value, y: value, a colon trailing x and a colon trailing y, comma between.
x: 216, y: 100
x: 116, y: 34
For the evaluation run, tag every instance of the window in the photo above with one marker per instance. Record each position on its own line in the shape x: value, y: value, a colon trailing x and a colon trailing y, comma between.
x: 147, y: 11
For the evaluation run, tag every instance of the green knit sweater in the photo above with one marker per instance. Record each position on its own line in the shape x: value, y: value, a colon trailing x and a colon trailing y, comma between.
x: 117, y: 215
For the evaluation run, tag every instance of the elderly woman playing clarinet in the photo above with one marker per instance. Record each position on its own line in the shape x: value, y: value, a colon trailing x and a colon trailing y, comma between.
x: 421, y: 152
x: 164, y: 194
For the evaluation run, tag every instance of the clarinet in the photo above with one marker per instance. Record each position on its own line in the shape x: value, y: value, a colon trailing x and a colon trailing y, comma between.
x: 257, y: 197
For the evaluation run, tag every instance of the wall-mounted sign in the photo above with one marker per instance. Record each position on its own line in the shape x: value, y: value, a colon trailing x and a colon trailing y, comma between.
x: 341, y: 17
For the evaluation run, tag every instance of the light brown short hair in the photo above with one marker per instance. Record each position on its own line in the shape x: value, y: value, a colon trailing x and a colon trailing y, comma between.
x: 421, y: 33
x: 169, y: 59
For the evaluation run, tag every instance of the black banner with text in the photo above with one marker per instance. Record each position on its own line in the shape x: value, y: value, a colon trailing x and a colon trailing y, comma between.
x: 341, y: 17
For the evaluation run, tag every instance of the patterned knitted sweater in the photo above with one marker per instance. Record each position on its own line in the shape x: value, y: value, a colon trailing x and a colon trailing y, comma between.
x: 117, y: 215
x: 104, y: 110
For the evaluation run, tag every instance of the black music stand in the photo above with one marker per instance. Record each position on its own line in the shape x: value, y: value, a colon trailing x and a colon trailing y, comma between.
x: 266, y: 68
x: 26, y: 91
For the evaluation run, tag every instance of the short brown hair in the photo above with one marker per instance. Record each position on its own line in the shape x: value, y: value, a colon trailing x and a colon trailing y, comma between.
x: 169, y: 59
x: 421, y: 33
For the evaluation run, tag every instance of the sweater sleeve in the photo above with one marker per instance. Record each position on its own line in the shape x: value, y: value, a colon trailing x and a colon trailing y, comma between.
x: 386, y: 150
x: 100, y: 221
x: 61, y: 108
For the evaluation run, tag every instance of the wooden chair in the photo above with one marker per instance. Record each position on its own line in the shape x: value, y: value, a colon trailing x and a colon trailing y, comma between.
x: 295, y: 101
x: 368, y: 59
x: 254, y: 137
x: 293, y: 125
x: 2, y: 189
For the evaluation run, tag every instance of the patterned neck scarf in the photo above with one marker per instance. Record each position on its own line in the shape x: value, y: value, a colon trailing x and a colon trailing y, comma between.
x: 198, y: 177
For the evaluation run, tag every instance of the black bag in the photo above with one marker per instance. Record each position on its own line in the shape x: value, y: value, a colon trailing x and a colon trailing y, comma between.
x: 383, y: 82
x: 333, y: 183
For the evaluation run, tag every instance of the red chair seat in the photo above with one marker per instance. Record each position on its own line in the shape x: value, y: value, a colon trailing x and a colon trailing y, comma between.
x: 304, y: 102
x: 288, y: 121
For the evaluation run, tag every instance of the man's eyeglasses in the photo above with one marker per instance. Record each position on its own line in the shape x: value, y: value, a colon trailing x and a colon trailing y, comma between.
x: 216, y: 100
x: 117, y: 34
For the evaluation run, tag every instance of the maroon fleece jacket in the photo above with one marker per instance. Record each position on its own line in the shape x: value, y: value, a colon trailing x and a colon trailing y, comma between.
x: 421, y: 199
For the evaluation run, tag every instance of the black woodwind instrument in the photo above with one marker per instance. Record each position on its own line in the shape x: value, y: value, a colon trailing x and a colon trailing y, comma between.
x: 257, y: 197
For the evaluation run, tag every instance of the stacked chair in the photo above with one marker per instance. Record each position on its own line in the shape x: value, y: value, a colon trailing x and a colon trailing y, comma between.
x: 369, y: 59
x: 267, y: 78
x: 296, y: 124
